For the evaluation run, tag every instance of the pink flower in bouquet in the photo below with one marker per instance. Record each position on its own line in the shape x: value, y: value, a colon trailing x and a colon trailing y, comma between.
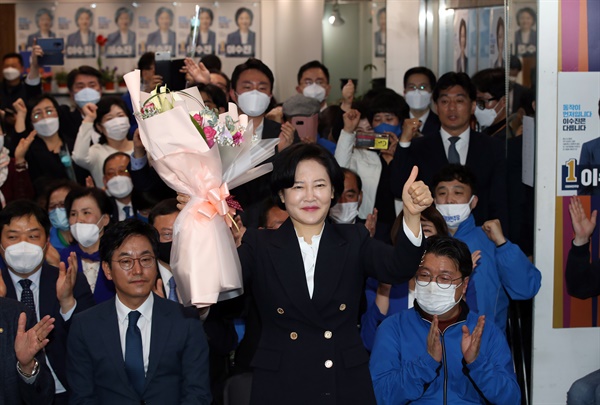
x: 210, y: 136
x: 198, y: 119
x: 238, y: 138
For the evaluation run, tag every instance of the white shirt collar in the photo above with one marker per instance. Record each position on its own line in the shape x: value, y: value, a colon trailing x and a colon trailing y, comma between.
x: 145, y: 309
x: 462, y: 147
x: 35, y: 278
x: 258, y: 131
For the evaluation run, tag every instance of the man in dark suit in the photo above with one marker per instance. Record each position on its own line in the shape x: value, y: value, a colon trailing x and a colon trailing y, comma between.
x: 30, y: 382
x: 136, y: 347
x: 119, y: 184
x: 418, y: 85
x: 45, y: 289
x: 454, y: 96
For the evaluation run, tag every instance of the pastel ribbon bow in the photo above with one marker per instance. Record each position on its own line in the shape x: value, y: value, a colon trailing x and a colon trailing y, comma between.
x: 217, y: 204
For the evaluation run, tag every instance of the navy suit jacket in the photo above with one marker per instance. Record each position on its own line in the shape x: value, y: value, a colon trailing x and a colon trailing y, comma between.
x: 211, y: 41
x: 485, y: 158
x: 235, y: 38
x: 13, y: 390
x: 589, y: 158
x: 432, y: 125
x: 154, y: 43
x: 56, y: 350
x: 37, y: 35
x: 74, y: 40
x: 178, y: 365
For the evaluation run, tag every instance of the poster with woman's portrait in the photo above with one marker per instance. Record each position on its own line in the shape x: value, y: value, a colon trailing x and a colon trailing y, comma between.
x: 379, y: 34
x: 483, y: 53
x: 241, y: 42
x: 161, y: 37
x: 525, y: 42
x: 497, y: 37
x: 80, y: 43
x: 205, y: 36
x: 461, y: 20
x: 38, y: 22
x: 121, y: 43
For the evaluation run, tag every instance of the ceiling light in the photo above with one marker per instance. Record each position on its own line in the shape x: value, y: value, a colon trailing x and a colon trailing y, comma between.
x: 335, y: 18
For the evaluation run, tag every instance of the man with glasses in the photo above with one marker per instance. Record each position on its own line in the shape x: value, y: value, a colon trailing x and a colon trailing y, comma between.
x: 491, y: 102
x: 313, y: 82
x: 136, y: 347
x: 418, y: 86
x: 454, y: 96
x: 440, y: 351
x: 502, y: 271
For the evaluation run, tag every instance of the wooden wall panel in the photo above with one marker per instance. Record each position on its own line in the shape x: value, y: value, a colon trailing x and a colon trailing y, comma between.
x: 9, y: 29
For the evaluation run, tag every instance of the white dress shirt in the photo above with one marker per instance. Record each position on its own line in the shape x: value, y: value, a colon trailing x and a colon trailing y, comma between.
x: 244, y: 37
x: 144, y: 324
x: 120, y: 207
x: 462, y: 146
x: 90, y: 271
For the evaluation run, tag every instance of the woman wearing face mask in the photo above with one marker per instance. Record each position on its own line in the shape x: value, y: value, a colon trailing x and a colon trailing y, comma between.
x: 384, y: 300
x: 49, y: 156
x: 110, y: 118
x: 60, y: 232
x: 89, y: 214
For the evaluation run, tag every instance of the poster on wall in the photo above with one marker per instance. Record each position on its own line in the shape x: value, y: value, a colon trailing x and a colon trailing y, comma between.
x: 380, y: 18
x: 115, y: 35
x: 496, y: 38
x: 578, y: 169
x: 465, y: 41
x: 483, y: 55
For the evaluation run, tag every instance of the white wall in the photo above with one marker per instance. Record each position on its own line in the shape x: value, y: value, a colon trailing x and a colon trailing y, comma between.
x: 560, y: 356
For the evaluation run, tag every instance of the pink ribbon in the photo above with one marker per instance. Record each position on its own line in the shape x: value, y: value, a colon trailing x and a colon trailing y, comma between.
x: 217, y: 204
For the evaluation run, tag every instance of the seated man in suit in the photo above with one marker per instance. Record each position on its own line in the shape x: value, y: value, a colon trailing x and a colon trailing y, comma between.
x: 503, y: 271
x: 30, y: 382
x: 117, y: 181
x: 440, y: 350
x: 136, y: 347
x: 454, y: 96
x: 44, y: 289
x: 418, y: 85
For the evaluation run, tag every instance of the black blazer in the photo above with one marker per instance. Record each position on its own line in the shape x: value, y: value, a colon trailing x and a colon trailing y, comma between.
x: 310, y: 351
x: 178, y: 364
x: 486, y: 158
x: 13, y: 390
x: 432, y: 125
x: 56, y: 350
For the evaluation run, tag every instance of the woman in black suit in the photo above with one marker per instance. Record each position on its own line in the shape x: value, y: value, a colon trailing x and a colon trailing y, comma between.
x: 307, y: 279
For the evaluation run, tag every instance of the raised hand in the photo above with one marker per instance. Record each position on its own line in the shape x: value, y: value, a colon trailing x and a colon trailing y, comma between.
x: 434, y: 345
x: 493, y: 230
x: 29, y: 343
x: 475, y: 256
x: 351, y: 120
x: 158, y: 288
x: 139, y: 151
x: 197, y: 72
x: 347, y: 95
x: 239, y: 231
x: 23, y: 147
x: 89, y: 112
x: 66, y: 282
x: 371, y: 222
x: 286, y: 137
x: 410, y: 129
x: 471, y: 342
x: 582, y: 225
x: 416, y: 197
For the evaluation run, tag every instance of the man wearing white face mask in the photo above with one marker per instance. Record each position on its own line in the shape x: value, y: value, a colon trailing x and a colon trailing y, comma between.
x: 117, y: 182
x: 313, y: 82
x: 491, y: 103
x: 441, y: 351
x: 418, y: 85
x: 503, y: 271
x: 46, y: 290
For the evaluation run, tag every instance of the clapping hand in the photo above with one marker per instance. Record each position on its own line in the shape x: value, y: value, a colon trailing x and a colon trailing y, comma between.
x: 65, y: 283
x: 29, y: 343
x: 471, y: 342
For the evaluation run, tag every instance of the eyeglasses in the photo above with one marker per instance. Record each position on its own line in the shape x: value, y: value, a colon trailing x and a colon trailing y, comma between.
x: 481, y: 104
x: 48, y: 112
x: 113, y: 173
x: 413, y: 87
x: 443, y: 281
x: 308, y: 82
x: 146, y: 262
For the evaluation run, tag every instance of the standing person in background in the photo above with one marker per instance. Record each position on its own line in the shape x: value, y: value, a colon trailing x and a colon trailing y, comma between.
x: 419, y: 83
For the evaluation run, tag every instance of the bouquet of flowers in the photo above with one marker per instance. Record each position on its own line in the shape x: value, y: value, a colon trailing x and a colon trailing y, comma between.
x: 202, y: 154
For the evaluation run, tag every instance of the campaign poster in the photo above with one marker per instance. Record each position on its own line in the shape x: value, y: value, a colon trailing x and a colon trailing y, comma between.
x: 463, y: 42
x: 379, y: 33
x: 205, y: 40
x: 496, y: 38
x: 578, y: 148
x: 483, y: 54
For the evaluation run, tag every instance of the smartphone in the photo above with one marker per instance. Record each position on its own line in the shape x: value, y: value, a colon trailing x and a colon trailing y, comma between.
x: 307, y: 127
x: 170, y: 72
x: 372, y: 140
x: 53, y: 51
x: 162, y: 56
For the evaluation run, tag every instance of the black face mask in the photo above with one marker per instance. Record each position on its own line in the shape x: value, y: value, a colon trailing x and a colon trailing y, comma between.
x: 164, y: 251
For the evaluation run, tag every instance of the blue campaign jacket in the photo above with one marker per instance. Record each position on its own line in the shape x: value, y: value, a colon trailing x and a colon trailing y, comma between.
x: 403, y: 371
x: 501, y: 272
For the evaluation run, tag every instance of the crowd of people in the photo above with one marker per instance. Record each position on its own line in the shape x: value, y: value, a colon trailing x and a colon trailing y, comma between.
x: 399, y: 213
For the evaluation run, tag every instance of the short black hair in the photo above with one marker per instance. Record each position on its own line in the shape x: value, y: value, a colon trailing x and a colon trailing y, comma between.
x: 83, y: 10
x: 490, y: 81
x: 223, y: 75
x: 329, y: 122
x: 216, y: 93
x: 123, y: 10
x: 117, y: 234
x: 207, y: 11
x: 211, y: 61
x: 24, y: 208
x: 345, y: 170
x: 252, y: 63
x: 388, y: 102
x: 146, y: 61
x: 57, y: 185
x: 423, y: 71
x: 452, y: 79
x: 13, y: 55
x: 165, y: 207
x: 286, y: 162
x: 98, y: 195
x: 265, y: 207
x: 453, y: 172
x: 379, y: 12
x: 315, y: 64
x: 104, y: 106
x: 163, y: 10
x: 529, y: 11
x: 111, y: 157
x: 82, y: 70
x: 453, y: 249
x: 242, y: 10
x: 515, y: 63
